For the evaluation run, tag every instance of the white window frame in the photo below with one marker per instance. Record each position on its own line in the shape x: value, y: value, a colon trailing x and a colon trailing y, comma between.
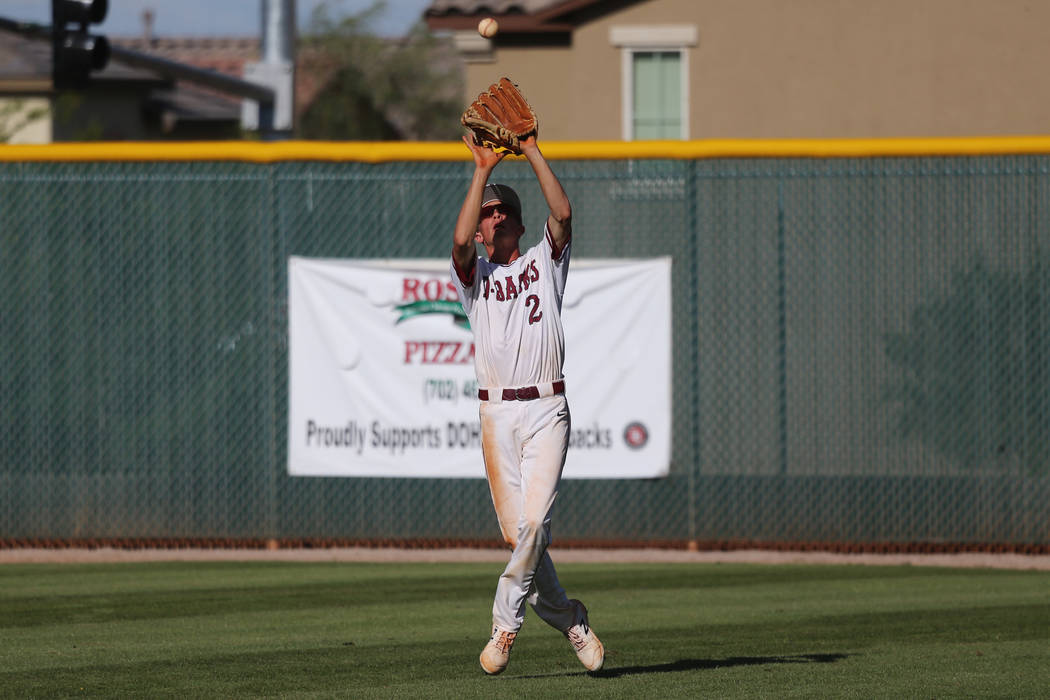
x: 647, y: 38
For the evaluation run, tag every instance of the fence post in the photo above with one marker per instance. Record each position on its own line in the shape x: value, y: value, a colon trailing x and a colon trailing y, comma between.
x: 693, y: 235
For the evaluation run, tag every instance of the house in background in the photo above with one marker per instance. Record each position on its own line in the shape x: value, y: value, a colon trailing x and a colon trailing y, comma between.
x: 134, y: 102
x: 122, y: 103
x: 699, y: 69
x: 152, y: 88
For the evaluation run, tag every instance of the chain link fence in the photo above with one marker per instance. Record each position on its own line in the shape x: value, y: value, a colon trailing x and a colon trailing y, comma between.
x: 861, y: 348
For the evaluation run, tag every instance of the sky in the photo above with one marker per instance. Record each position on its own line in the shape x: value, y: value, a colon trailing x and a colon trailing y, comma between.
x: 216, y: 17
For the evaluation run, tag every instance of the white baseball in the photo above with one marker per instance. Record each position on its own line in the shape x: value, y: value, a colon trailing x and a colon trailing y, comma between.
x: 488, y: 27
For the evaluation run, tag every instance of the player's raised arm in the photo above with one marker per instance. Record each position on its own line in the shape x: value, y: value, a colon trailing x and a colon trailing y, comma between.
x: 485, y: 160
x: 560, y: 220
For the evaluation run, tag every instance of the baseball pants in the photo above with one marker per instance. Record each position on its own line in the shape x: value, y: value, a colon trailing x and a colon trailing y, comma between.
x: 524, y: 444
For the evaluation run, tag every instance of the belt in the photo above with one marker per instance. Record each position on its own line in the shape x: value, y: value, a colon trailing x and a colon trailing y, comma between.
x: 526, y: 393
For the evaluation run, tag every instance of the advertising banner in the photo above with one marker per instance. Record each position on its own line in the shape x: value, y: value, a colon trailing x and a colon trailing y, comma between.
x: 381, y: 370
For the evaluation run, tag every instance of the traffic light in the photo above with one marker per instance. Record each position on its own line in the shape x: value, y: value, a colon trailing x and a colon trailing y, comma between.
x: 74, y: 51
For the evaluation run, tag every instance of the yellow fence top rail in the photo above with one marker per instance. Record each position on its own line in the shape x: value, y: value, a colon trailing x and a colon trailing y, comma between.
x: 392, y: 151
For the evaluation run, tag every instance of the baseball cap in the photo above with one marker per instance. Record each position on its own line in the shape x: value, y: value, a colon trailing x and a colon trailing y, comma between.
x: 502, y: 194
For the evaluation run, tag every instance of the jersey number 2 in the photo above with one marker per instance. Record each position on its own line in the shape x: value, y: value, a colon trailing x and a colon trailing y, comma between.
x: 533, y: 303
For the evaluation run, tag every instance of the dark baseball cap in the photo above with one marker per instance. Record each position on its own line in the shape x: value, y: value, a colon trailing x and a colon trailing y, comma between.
x: 502, y: 194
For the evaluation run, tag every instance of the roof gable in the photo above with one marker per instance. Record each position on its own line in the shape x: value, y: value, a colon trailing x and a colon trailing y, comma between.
x: 518, y: 16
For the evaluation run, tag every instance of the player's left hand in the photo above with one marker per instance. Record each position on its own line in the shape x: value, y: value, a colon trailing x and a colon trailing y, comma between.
x: 484, y: 157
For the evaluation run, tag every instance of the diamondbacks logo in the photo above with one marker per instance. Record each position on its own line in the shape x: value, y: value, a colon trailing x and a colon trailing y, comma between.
x: 636, y: 435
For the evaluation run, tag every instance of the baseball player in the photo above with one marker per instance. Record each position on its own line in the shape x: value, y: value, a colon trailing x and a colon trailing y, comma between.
x: 513, y: 300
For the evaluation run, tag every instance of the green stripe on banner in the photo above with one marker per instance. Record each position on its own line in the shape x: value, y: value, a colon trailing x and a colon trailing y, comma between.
x: 440, y: 306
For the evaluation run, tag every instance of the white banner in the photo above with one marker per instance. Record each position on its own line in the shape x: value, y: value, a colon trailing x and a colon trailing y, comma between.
x: 381, y: 370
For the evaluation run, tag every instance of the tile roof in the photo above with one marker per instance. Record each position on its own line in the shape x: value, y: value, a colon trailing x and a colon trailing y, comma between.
x: 515, y: 16
x: 23, y: 58
x: 491, y: 7
x: 231, y: 49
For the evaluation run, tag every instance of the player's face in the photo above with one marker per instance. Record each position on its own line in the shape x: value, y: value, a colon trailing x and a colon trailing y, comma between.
x: 498, y: 220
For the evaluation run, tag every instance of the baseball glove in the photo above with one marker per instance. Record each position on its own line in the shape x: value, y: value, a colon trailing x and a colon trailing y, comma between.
x: 500, y: 117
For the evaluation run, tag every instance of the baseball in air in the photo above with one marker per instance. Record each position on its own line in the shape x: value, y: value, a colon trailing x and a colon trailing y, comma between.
x: 488, y: 27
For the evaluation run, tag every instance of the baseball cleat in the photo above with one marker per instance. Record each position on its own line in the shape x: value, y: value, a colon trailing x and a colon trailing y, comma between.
x: 496, y: 654
x: 589, y: 649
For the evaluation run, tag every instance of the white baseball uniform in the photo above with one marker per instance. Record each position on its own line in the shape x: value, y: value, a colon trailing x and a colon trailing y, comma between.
x: 515, y: 315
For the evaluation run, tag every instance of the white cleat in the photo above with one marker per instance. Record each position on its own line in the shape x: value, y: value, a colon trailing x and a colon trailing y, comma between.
x: 589, y: 649
x: 496, y: 654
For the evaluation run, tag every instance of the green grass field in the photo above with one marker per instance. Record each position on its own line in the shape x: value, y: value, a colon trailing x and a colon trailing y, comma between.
x: 351, y: 630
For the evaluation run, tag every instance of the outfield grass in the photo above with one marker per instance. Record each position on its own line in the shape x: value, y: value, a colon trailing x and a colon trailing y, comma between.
x: 351, y: 630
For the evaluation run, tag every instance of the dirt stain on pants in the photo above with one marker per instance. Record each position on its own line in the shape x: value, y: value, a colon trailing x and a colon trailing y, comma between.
x: 524, y: 445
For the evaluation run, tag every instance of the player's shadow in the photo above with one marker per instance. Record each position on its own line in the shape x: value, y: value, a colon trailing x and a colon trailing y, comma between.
x: 707, y: 664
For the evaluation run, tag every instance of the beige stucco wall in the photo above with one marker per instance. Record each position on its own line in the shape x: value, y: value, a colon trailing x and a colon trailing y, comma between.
x: 808, y: 69
x: 25, y: 119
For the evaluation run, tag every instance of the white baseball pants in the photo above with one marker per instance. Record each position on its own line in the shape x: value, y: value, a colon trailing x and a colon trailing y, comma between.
x: 524, y: 444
